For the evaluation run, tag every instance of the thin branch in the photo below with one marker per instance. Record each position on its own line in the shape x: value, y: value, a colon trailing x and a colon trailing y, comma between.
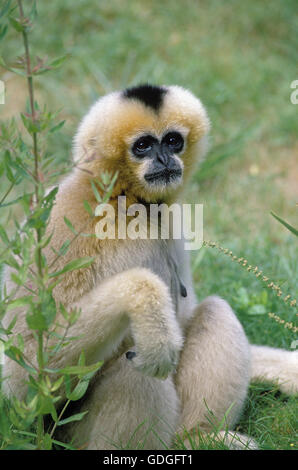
x: 34, y: 133
x: 7, y: 193
x: 37, y: 184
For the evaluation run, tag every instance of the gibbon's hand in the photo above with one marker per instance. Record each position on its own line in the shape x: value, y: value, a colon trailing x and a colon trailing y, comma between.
x: 144, y: 299
x: 152, y: 368
x: 156, y: 360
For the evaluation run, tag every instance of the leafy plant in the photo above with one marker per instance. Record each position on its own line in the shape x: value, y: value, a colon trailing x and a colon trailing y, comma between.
x: 257, y: 304
x: 29, y: 165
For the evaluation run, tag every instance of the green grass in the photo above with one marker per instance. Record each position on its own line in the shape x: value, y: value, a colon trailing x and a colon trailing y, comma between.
x: 270, y: 417
x: 239, y: 59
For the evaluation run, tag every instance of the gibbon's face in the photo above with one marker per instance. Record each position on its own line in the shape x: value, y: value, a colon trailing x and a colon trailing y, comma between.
x: 153, y: 136
x: 163, y: 167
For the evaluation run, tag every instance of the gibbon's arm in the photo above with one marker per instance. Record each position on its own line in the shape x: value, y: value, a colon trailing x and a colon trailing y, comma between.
x: 135, y: 299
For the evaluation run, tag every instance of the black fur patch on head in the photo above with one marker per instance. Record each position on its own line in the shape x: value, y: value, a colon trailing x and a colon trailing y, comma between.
x: 149, y: 95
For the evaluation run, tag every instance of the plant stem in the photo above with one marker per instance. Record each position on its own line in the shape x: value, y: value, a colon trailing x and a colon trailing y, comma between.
x: 40, y: 423
x: 40, y: 431
x: 59, y: 418
x: 7, y: 193
x: 34, y: 133
x: 37, y: 186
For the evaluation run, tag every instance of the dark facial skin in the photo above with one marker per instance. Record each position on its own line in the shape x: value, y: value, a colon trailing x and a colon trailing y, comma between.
x: 164, y: 167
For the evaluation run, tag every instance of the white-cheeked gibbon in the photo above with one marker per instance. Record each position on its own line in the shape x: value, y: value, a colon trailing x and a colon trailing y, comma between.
x: 169, y: 361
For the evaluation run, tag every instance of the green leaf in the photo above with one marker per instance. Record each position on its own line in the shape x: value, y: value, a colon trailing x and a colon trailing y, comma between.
x: 9, y: 174
x: 47, y: 442
x: 79, y: 390
x: 64, y: 248
x: 62, y: 444
x: 15, y: 354
x: 110, y: 188
x: 11, y: 261
x: 16, y: 23
x: 57, y: 127
x: 30, y: 125
x: 48, y: 307
x: 57, y: 384
x: 283, y: 222
x: 43, y: 313
x: 25, y: 433
x: 4, y: 236
x: 59, y: 61
x: 2, y: 62
x: 50, y: 197
x: 76, y: 417
x: 88, y: 208
x: 79, y: 263
x: 5, y: 8
x: 12, y: 323
x: 20, y: 342
x: 17, y: 279
x: 20, y: 302
x: 46, y: 406
x: 95, y: 192
x: 3, y: 31
x: 70, y: 226
x: 81, y: 370
x: 46, y: 241
x: 36, y: 321
x: 33, y: 12
x: 10, y: 203
x: 82, y: 359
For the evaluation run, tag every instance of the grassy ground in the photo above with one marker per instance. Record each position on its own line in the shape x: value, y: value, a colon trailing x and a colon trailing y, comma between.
x: 240, y: 59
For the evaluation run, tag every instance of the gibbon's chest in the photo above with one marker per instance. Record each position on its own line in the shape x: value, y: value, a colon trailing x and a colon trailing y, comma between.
x: 160, y: 256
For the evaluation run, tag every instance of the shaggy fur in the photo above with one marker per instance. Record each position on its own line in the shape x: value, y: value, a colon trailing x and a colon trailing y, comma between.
x: 188, y: 357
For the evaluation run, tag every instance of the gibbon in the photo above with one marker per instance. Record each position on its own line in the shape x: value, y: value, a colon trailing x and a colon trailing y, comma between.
x: 169, y: 361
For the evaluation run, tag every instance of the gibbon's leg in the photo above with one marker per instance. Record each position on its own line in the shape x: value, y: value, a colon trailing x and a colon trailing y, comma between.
x: 136, y: 298
x: 127, y: 410
x: 276, y: 366
x: 214, y: 370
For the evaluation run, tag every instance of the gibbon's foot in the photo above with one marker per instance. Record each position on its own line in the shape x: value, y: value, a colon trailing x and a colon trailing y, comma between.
x: 231, y: 439
x: 236, y: 441
x: 277, y: 366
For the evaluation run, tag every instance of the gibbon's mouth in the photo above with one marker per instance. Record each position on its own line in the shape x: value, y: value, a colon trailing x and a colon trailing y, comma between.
x: 165, y: 176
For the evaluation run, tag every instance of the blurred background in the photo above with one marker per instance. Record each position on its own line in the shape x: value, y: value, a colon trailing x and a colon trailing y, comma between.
x: 240, y: 58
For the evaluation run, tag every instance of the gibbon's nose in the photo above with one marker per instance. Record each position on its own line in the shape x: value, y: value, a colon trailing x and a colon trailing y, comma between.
x: 162, y: 158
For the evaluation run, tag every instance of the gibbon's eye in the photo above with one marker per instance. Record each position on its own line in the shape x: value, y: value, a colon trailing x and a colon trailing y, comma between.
x: 174, y: 140
x: 143, y: 145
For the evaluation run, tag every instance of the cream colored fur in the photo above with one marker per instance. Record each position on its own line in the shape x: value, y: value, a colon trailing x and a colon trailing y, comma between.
x: 276, y: 366
x: 189, y: 358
